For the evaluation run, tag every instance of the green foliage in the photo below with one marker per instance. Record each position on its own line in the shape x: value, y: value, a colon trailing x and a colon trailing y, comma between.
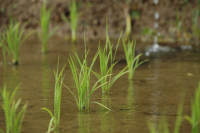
x: 103, y: 106
x: 195, y: 110
x: 55, y: 119
x: 45, y: 17
x: 163, y: 125
x: 1, y: 40
x: 13, y: 38
x: 148, y: 31
x: 13, y: 116
x: 135, y: 14
x: 4, y: 48
x: 106, y: 58
x: 195, y: 18
x: 73, y: 22
x: 82, y: 81
x: 195, y: 23
x: 179, y: 22
x: 132, y: 61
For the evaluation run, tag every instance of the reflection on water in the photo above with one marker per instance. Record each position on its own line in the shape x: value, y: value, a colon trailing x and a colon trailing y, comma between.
x: 45, y: 79
x: 140, y: 100
x: 155, y: 95
x: 130, y: 94
x: 105, y: 101
x: 84, y: 122
x: 107, y: 121
x: 130, y: 109
x: 106, y: 116
x: 11, y: 76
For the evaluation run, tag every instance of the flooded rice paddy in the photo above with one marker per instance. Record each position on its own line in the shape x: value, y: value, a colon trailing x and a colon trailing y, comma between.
x: 154, y: 92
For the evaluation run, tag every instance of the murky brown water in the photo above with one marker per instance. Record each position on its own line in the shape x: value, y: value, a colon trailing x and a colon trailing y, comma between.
x: 155, y: 89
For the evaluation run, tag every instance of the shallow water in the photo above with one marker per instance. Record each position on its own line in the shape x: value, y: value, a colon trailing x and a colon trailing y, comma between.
x: 154, y: 91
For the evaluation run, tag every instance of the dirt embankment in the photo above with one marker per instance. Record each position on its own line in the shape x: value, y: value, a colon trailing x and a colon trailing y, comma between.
x: 93, y: 14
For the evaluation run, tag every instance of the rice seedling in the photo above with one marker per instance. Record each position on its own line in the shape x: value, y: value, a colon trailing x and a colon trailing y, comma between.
x: 55, y: 119
x: 45, y: 16
x: 13, y: 115
x: 163, y: 125
x: 82, y: 81
x: 3, y: 47
x: 13, y: 38
x: 195, y: 19
x: 126, y: 8
x: 132, y: 60
x: 179, y: 23
x: 128, y: 22
x: 107, y: 58
x: 195, y: 23
x: 73, y: 22
x: 1, y: 40
x: 195, y: 112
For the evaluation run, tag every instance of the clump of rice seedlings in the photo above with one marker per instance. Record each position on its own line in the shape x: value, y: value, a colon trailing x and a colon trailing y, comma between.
x: 107, y: 58
x: 163, y: 125
x: 13, y: 115
x: 195, y: 112
x: 55, y: 119
x: 45, y: 16
x: 82, y: 81
x: 73, y: 22
x: 13, y: 39
x: 132, y: 60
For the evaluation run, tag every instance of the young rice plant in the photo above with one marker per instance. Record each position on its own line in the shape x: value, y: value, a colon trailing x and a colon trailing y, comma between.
x: 195, y: 112
x: 131, y: 59
x: 195, y: 13
x: 55, y: 119
x: 82, y: 81
x: 128, y: 21
x: 3, y: 47
x: 107, y: 58
x: 13, y: 38
x: 73, y: 23
x: 13, y: 116
x: 45, y: 16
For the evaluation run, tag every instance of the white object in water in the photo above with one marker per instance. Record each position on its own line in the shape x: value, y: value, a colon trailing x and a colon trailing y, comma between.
x: 156, y: 15
x: 155, y: 2
x: 156, y: 25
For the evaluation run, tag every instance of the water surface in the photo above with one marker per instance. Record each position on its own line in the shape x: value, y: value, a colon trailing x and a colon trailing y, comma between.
x: 154, y: 91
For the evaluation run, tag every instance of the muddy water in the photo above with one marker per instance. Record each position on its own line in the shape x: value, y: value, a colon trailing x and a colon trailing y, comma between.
x: 154, y: 91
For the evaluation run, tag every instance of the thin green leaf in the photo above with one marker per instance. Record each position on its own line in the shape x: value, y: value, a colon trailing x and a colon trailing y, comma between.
x: 103, y: 106
x: 50, y: 113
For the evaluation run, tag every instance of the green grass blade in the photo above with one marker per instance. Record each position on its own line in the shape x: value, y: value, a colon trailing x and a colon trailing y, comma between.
x: 50, y: 125
x: 179, y: 117
x: 50, y: 113
x: 2, y: 131
x: 102, y: 106
x: 72, y: 94
x: 152, y: 127
x: 65, y: 19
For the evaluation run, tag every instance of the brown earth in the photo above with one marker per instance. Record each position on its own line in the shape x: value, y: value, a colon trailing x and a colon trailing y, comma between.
x: 93, y: 14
